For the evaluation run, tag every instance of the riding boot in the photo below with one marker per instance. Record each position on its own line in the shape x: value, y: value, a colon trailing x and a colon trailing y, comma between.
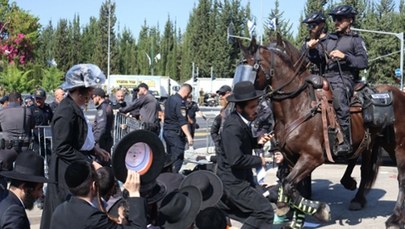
x: 345, y: 149
x: 282, y: 202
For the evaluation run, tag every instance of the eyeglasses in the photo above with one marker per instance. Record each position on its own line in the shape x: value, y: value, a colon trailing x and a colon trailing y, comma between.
x: 311, y: 26
x: 337, y: 18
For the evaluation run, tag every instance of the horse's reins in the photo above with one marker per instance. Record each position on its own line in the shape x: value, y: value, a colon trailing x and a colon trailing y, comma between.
x: 275, y: 93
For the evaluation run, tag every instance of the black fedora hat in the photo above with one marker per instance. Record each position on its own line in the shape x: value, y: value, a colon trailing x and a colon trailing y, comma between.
x: 141, y: 151
x: 179, y: 208
x: 244, y: 91
x: 172, y: 181
x: 29, y: 166
x: 209, y: 184
x: 153, y: 191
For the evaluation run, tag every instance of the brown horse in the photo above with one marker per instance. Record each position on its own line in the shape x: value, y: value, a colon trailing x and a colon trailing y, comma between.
x: 299, y: 127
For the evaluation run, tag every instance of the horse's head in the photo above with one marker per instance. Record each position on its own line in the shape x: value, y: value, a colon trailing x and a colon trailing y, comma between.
x: 271, y: 65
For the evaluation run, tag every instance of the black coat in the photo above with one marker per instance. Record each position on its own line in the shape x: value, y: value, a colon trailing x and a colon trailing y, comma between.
x: 12, y: 213
x: 77, y: 213
x: 69, y: 131
x: 236, y: 161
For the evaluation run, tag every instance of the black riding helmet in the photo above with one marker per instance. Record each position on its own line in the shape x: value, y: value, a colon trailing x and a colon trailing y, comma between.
x: 316, y: 17
x: 343, y: 10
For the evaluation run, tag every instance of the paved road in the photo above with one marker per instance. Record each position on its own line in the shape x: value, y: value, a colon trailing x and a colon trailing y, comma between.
x: 326, y: 187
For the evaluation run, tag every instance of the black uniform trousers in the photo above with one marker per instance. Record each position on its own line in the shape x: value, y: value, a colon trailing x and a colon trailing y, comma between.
x: 175, y: 144
x: 342, y: 88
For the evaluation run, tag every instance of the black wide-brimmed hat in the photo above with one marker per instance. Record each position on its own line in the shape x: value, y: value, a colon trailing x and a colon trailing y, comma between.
x: 244, y: 91
x: 29, y: 166
x: 172, y: 181
x: 209, y: 184
x: 179, y: 208
x: 141, y: 151
x: 153, y: 191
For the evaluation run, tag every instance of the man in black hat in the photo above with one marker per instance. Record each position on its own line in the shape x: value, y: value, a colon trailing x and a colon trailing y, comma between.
x: 235, y: 161
x: 79, y: 211
x: 104, y: 121
x: 26, y: 182
x: 148, y: 109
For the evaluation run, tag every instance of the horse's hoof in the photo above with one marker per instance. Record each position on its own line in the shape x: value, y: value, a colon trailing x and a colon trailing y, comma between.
x: 393, y: 227
x: 349, y: 184
x: 282, y: 209
x: 355, y: 206
x: 323, y: 213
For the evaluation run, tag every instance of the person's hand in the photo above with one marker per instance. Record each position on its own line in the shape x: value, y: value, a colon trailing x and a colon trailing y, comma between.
x: 96, y: 165
x: 101, y: 153
x: 190, y: 140
x: 312, y: 43
x: 336, y: 54
x: 265, y: 160
x: 133, y: 183
x: 265, y: 138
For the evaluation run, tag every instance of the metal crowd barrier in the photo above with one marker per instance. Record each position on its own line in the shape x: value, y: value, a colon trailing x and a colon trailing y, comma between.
x: 45, y: 144
x: 123, y: 125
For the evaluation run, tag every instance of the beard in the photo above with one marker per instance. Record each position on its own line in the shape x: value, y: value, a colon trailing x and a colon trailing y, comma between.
x: 29, y: 200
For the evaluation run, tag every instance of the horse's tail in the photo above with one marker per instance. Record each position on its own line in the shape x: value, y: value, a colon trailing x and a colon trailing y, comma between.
x: 373, y: 166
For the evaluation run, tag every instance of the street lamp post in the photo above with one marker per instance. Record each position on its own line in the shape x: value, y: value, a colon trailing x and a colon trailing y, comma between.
x: 109, y: 40
x: 400, y: 36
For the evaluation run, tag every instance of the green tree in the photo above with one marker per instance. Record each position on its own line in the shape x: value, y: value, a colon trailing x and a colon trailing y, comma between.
x: 52, y: 78
x: 46, y: 45
x: 107, y: 13
x: 14, y: 79
x: 62, y: 40
x: 89, y: 41
x: 311, y: 6
x: 284, y: 26
x: 127, y: 53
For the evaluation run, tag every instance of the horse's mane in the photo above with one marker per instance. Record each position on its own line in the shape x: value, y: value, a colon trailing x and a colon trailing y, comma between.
x: 292, y: 54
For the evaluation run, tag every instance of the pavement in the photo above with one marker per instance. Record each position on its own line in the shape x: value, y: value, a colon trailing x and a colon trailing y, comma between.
x: 326, y: 188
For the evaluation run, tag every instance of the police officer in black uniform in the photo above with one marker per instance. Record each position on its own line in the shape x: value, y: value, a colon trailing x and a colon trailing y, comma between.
x: 103, y: 122
x: 16, y: 123
x: 175, y: 128
x: 347, y: 55
x: 317, y: 28
x: 42, y: 111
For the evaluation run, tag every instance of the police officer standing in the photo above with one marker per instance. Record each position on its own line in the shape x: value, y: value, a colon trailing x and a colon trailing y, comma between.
x: 175, y: 128
x: 16, y: 123
x: 42, y: 111
x: 103, y: 122
x: 347, y: 56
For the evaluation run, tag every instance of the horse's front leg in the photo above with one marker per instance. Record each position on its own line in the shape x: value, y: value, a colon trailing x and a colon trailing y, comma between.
x: 347, y: 180
x: 289, y: 196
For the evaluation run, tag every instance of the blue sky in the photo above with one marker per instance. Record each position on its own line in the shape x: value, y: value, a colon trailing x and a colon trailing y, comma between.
x: 132, y: 13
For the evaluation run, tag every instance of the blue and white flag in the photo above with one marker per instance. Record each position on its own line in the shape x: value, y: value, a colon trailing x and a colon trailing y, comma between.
x: 252, y: 28
x: 272, y: 24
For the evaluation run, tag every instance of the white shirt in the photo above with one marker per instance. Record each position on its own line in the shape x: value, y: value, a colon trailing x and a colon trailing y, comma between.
x: 89, y: 142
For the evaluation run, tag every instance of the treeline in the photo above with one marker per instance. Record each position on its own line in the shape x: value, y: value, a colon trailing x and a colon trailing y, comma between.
x: 172, y: 52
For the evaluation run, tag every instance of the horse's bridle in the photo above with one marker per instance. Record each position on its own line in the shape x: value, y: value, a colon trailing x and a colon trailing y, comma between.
x: 277, y: 93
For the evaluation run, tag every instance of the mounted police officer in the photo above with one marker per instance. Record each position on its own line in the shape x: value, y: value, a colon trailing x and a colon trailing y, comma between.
x: 345, y: 55
x: 317, y: 28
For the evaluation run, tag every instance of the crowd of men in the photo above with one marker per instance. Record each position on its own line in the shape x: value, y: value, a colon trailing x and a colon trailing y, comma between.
x: 82, y: 190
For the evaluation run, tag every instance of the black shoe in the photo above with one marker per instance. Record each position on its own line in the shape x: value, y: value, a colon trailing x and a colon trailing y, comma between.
x: 343, y: 150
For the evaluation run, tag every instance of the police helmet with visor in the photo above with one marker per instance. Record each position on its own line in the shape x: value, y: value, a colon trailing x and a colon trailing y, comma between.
x: 343, y: 11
